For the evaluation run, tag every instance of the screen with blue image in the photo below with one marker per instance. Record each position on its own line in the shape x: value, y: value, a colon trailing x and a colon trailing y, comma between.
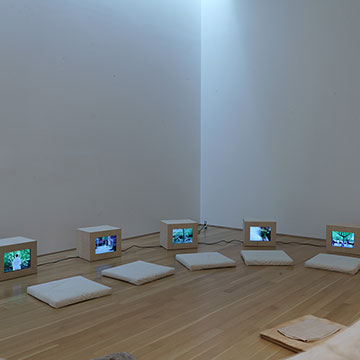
x: 260, y: 233
x: 182, y: 236
x: 342, y: 239
x: 105, y: 244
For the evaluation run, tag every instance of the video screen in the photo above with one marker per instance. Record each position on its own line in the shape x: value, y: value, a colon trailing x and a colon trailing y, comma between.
x: 17, y: 260
x: 260, y: 233
x: 342, y: 239
x: 182, y: 236
x: 105, y: 244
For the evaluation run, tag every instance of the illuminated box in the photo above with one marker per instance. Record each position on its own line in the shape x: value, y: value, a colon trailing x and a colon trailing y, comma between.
x: 179, y: 234
x: 99, y: 242
x: 343, y: 238
x: 259, y: 233
x: 19, y: 257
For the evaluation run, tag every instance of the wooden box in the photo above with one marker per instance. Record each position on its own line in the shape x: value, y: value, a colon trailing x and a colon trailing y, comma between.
x: 18, y: 257
x: 259, y: 233
x: 343, y: 238
x: 179, y: 234
x: 99, y: 242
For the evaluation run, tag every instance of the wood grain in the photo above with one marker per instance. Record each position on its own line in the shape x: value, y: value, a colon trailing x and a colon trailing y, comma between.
x: 208, y: 314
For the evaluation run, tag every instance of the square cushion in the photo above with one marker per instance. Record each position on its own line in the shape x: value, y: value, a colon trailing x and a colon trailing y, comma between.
x: 138, y: 272
x: 68, y: 291
x: 206, y: 260
x: 345, y: 264
x: 266, y: 257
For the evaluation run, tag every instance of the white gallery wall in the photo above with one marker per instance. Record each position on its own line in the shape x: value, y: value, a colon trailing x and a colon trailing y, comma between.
x: 99, y: 116
x: 280, y: 113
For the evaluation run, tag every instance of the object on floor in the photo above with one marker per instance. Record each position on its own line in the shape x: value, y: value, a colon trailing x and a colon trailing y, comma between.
x: 259, y: 233
x: 179, y: 234
x: 138, y: 272
x: 99, y: 242
x: 344, y: 345
x: 309, y: 330
x: 276, y: 337
x: 339, y: 263
x: 117, y: 356
x: 206, y: 260
x: 266, y: 257
x: 343, y: 238
x: 60, y: 293
x: 20, y: 257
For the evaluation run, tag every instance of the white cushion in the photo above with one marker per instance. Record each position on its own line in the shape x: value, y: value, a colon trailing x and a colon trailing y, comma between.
x: 345, y: 264
x: 266, y: 257
x: 68, y: 291
x: 207, y: 260
x: 138, y: 272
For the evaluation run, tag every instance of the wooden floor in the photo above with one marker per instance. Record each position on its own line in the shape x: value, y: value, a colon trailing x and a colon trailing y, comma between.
x: 200, y: 315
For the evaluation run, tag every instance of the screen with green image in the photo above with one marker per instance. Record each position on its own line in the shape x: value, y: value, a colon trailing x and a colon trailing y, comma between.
x: 182, y: 236
x: 342, y: 239
x: 17, y: 260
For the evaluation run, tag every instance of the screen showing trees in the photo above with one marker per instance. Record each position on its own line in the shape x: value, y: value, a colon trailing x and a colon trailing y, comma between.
x: 342, y: 239
x: 182, y: 236
x: 17, y: 260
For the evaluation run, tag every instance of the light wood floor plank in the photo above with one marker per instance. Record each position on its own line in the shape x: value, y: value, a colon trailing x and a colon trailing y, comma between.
x: 200, y: 315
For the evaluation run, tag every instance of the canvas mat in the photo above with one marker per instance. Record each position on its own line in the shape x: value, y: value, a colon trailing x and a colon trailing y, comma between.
x: 276, y: 337
x: 309, y: 330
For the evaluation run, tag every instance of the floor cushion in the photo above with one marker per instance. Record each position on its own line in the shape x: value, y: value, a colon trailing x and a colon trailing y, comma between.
x: 138, y: 272
x: 344, y: 264
x: 266, y: 257
x: 206, y: 260
x: 60, y: 293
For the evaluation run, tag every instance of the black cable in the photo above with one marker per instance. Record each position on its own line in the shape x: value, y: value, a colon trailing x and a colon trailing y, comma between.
x: 202, y: 228
x: 278, y: 241
x: 299, y: 243
x: 141, y: 247
x: 221, y: 241
x: 78, y: 257
x: 200, y: 243
x: 56, y: 261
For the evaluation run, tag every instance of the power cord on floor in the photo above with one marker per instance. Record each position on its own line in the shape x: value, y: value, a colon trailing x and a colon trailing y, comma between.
x: 141, y: 247
x: 56, y: 261
x: 220, y: 241
x: 299, y: 243
x: 278, y: 241
x: 200, y: 243
x: 78, y: 257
